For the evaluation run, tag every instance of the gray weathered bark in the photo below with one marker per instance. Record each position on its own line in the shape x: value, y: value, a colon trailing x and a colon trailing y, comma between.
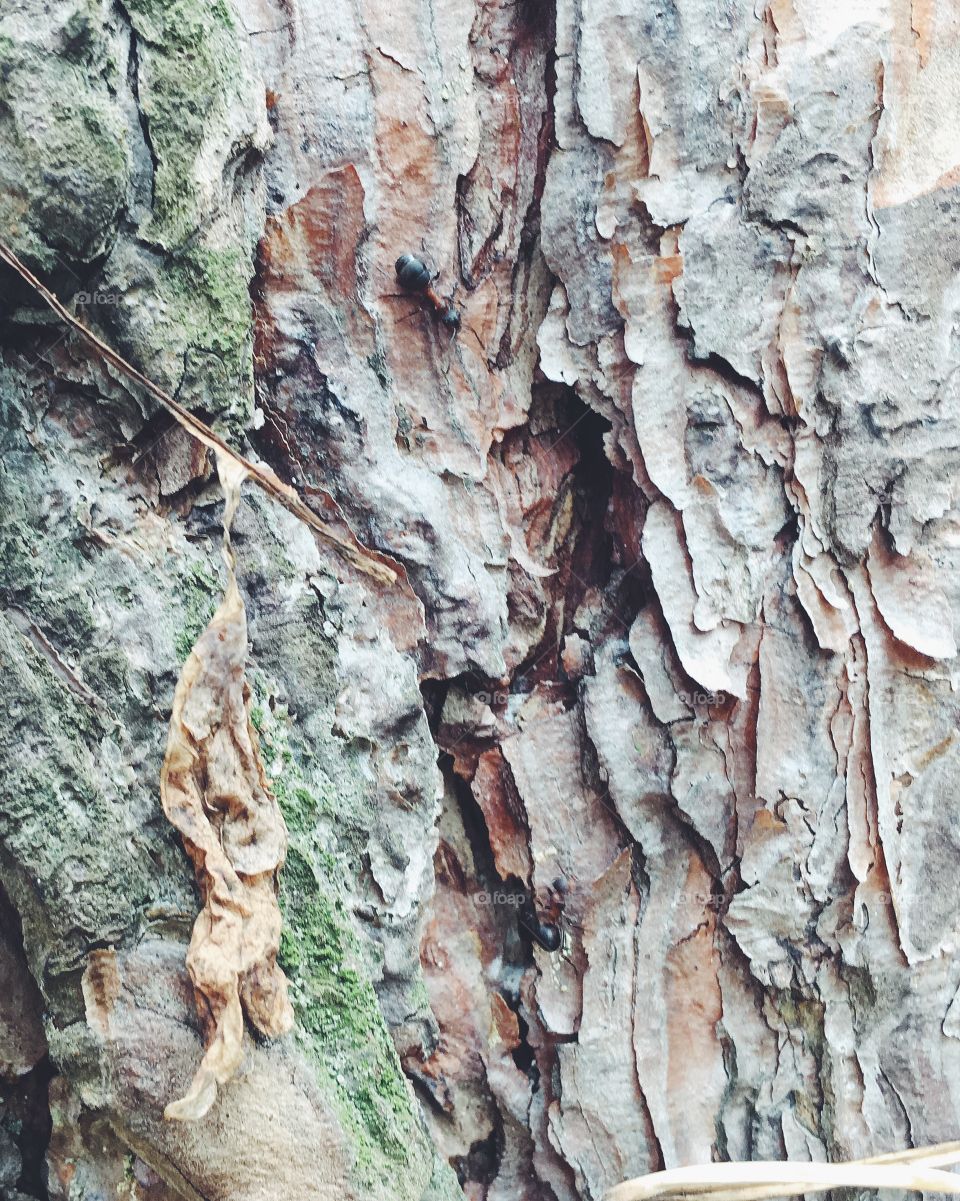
x: 677, y: 514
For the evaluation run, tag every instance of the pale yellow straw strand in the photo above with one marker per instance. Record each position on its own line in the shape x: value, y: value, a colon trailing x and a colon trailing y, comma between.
x: 755, y: 1180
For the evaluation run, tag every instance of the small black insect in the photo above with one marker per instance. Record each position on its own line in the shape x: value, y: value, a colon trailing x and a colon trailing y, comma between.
x: 414, y: 275
x: 544, y: 934
x: 546, y: 928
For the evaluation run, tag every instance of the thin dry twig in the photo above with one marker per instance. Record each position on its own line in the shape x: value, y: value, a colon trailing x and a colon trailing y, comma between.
x: 916, y: 1169
x: 354, y: 553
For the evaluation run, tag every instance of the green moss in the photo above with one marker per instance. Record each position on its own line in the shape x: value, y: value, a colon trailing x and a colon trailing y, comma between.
x: 125, y: 596
x: 20, y: 563
x: 64, y: 162
x: 61, y: 785
x: 806, y: 1014
x: 70, y: 622
x: 66, y: 177
x: 191, y: 327
x: 81, y: 36
x: 338, y: 1015
x: 108, y: 672
x: 190, y: 67
x: 209, y: 292
x: 200, y: 110
x: 199, y: 592
x: 419, y: 997
x: 340, y: 1021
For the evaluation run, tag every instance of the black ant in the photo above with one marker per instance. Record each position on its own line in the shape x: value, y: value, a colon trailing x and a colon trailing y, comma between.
x: 414, y: 275
x: 545, y: 934
x: 547, y: 931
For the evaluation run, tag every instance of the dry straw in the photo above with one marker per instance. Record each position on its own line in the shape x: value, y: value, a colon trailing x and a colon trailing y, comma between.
x: 918, y: 1169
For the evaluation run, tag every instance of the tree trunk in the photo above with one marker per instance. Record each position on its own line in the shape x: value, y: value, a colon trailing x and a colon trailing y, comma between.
x: 621, y: 832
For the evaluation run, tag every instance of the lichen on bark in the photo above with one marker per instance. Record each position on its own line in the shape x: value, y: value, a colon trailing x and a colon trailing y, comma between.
x: 339, y: 1021
x: 85, y: 463
x: 192, y: 77
x: 705, y: 257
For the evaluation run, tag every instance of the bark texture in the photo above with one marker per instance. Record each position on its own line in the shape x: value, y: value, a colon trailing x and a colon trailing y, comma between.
x: 678, y: 517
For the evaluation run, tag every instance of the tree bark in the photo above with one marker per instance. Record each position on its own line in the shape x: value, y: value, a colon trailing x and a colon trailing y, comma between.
x: 669, y: 676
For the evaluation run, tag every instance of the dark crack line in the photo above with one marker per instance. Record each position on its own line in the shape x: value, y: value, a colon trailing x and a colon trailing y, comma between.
x: 133, y: 79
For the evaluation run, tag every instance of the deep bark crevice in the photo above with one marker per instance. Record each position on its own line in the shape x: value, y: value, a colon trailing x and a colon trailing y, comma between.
x: 25, y: 1122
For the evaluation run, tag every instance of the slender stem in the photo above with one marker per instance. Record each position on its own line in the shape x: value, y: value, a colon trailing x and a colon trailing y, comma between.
x: 916, y: 1169
x: 354, y: 552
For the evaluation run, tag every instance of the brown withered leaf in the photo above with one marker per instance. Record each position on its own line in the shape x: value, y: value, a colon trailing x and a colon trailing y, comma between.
x: 214, y: 790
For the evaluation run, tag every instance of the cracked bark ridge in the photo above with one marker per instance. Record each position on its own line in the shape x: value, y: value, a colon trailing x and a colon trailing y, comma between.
x: 753, y: 261
x: 708, y: 257
x: 24, y: 1117
x: 110, y: 572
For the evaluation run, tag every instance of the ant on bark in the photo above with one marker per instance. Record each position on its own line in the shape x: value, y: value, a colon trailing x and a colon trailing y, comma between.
x: 414, y: 276
x: 548, y: 928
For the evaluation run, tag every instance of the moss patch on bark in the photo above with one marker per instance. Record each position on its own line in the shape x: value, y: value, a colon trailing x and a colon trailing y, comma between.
x: 338, y: 1016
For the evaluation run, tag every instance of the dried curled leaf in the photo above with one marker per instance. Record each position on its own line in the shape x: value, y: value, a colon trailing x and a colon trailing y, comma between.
x: 215, y: 792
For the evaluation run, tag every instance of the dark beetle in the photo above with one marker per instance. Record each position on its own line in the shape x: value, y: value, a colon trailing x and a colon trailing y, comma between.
x: 414, y: 275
